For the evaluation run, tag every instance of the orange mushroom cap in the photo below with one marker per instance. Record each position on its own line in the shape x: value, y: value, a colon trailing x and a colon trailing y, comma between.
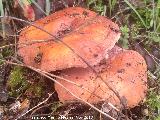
x: 88, y: 34
x: 124, y: 71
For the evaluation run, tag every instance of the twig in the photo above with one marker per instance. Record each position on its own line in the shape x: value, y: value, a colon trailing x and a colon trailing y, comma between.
x: 34, y: 111
x: 120, y: 12
x: 35, y: 106
x: 154, y: 58
x: 26, y: 44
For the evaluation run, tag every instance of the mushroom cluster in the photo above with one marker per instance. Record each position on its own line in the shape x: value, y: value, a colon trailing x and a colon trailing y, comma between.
x: 82, y: 46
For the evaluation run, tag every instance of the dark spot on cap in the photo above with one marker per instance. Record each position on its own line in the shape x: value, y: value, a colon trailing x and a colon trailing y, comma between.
x: 38, y: 58
x: 81, y: 33
x: 121, y: 71
x: 75, y: 14
x: 82, y: 94
x: 114, y: 30
x: 120, y: 77
x: 91, y: 77
x: 64, y: 30
x: 95, y: 55
x: 85, y: 13
x: 47, y: 21
x: 128, y: 64
x: 133, y: 81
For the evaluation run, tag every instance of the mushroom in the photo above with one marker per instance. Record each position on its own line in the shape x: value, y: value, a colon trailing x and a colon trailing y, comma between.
x: 124, y: 71
x: 77, y: 32
x: 80, y: 37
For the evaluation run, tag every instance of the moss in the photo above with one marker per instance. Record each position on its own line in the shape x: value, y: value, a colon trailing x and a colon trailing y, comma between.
x: 17, y: 82
x: 38, y: 91
x: 35, y: 91
x: 55, y: 106
x: 6, y: 52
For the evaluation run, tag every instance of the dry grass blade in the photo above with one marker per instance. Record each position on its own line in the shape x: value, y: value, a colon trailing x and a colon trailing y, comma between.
x: 25, y: 44
x: 153, y: 57
x: 39, y: 7
x: 2, y: 20
x: 131, y: 6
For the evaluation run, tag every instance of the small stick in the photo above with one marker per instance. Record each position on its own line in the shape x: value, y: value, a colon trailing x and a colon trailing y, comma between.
x: 36, y: 106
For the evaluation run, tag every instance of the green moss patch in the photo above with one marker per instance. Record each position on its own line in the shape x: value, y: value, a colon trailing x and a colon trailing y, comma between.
x: 17, y: 82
